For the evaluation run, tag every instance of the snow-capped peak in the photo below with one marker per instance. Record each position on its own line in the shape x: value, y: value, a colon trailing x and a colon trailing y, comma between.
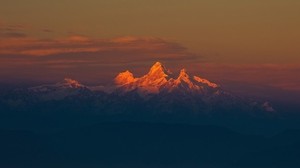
x: 124, y: 78
x: 67, y: 83
x: 156, y: 77
x: 158, y: 70
x: 160, y: 79
x: 184, y: 82
x: 60, y: 90
x: 183, y: 74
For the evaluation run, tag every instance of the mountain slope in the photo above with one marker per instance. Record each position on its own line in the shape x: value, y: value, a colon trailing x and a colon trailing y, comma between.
x: 159, y: 80
x: 60, y: 90
x: 156, y: 94
x: 163, y: 91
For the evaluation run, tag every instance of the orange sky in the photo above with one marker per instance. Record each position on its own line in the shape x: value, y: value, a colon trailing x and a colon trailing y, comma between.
x: 257, y: 31
x: 93, y: 40
x: 100, y: 60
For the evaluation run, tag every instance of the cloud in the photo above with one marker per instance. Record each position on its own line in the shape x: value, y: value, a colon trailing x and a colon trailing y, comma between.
x: 46, y: 30
x: 11, y: 31
x: 16, y: 27
x: 80, y: 56
x: 19, y: 30
x: 13, y: 35
x: 139, y: 48
x: 99, y: 60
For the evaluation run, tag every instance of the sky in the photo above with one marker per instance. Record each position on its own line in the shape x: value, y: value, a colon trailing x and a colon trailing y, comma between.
x: 254, y: 42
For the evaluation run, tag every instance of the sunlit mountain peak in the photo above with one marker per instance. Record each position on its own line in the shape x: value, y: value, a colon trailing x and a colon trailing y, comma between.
x: 205, y: 81
x: 158, y: 70
x: 157, y: 88
x: 160, y: 79
x: 156, y: 77
x: 183, y: 74
x: 184, y: 82
x: 124, y: 78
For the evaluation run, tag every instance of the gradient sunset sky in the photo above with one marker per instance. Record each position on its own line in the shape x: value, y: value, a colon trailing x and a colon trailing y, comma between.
x: 255, y: 41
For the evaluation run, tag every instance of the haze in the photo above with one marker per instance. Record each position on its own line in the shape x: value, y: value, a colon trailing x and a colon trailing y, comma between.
x: 245, y: 37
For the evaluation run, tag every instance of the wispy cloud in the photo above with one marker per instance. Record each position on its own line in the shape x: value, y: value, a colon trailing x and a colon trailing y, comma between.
x: 8, y: 30
x: 12, y: 34
x: 79, y: 54
x: 11, y: 31
x: 99, y: 60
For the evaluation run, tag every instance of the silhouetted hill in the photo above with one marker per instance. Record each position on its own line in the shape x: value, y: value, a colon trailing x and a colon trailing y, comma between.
x: 20, y: 148
x: 129, y: 144
x: 156, y: 120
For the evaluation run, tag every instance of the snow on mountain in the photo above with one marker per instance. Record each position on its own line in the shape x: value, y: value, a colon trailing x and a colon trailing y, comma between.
x: 124, y: 78
x: 67, y: 83
x: 158, y: 90
x: 186, y: 83
x: 162, y: 88
x: 147, y: 84
x: 159, y: 79
x: 60, y: 90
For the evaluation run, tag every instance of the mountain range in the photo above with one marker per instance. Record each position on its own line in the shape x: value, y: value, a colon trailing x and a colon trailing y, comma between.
x: 157, y: 91
x: 158, y: 96
x: 161, y: 80
x: 156, y: 120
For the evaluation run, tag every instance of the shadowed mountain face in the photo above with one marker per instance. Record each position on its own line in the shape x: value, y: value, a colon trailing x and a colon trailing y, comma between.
x: 158, y: 96
x: 158, y: 86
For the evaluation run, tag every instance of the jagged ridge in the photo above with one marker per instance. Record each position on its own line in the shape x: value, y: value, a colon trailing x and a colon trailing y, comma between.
x: 160, y: 79
x: 158, y: 89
